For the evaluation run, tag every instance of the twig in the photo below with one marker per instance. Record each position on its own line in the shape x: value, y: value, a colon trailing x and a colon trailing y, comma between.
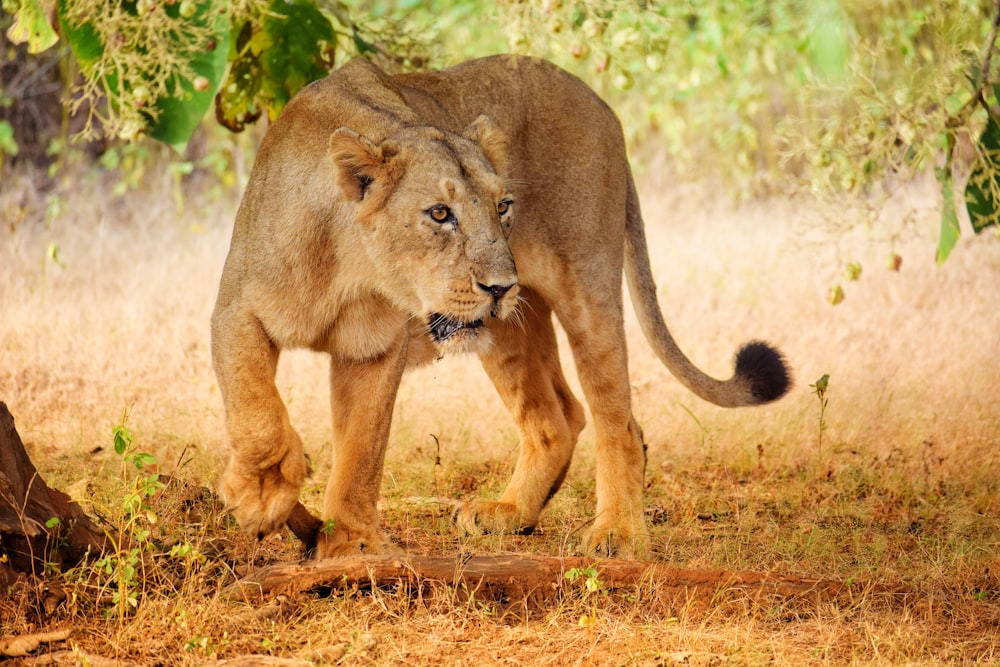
x: 990, y: 43
x: 22, y: 645
x: 959, y: 117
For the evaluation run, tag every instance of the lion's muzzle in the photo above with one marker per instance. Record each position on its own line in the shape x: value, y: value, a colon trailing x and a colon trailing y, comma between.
x: 464, y: 332
x: 497, y: 292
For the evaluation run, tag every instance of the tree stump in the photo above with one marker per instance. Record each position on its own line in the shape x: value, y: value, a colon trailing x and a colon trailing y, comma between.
x: 27, y: 504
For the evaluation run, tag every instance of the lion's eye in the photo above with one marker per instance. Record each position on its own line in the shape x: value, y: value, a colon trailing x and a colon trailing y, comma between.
x: 440, y: 213
x: 504, y: 206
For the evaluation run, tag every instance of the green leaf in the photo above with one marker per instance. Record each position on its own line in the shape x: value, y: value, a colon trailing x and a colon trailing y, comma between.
x: 300, y: 50
x: 8, y: 144
x: 122, y: 437
x: 237, y: 104
x: 142, y: 460
x: 176, y: 117
x: 829, y: 39
x: 983, y: 186
x: 288, y: 46
x: 52, y: 252
x: 821, y: 385
x: 973, y: 71
x: 82, y: 38
x: 949, y: 219
x: 179, y: 116
x: 362, y: 45
x: 31, y: 25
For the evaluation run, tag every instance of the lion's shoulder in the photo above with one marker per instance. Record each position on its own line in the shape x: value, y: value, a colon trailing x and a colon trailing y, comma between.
x: 358, y: 95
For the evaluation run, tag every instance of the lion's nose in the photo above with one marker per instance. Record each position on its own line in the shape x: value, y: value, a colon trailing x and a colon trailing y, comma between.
x: 496, y: 291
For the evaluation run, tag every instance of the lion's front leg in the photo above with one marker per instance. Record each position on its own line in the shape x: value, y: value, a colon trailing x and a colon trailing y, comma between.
x: 523, y: 364
x: 266, y: 466
x: 363, y: 394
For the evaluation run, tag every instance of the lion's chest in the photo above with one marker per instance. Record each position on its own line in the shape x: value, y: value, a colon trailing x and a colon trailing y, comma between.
x: 363, y: 329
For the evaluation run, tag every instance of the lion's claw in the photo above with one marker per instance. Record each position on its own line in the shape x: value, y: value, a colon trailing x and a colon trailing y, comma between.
x: 479, y: 516
x: 343, y: 542
x: 607, y: 541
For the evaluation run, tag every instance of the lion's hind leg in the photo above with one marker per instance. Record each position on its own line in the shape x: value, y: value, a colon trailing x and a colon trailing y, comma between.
x: 266, y: 467
x: 523, y: 364
x: 595, y: 327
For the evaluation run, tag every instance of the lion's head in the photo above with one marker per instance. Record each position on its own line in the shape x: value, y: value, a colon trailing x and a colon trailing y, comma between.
x: 435, y: 215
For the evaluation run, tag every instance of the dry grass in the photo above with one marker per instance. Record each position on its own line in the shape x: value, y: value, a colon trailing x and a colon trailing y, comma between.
x: 904, y: 489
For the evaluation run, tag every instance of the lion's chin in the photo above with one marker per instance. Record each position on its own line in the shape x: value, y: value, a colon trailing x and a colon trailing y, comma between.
x: 456, y: 337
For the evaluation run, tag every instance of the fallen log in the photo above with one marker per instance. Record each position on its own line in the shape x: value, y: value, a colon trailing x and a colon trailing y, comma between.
x: 516, y: 577
x: 28, y: 535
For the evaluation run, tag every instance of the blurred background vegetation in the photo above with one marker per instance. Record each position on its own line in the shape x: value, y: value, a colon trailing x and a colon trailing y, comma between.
x: 834, y: 98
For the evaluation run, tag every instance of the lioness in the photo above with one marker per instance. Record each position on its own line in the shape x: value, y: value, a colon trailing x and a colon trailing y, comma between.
x: 389, y: 220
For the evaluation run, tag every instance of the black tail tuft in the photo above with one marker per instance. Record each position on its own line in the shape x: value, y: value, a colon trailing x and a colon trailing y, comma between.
x: 766, y: 370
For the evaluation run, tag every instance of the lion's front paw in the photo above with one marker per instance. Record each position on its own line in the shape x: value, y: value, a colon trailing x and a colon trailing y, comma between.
x: 341, y: 541
x: 625, y: 541
x: 485, y: 516
x: 262, y: 501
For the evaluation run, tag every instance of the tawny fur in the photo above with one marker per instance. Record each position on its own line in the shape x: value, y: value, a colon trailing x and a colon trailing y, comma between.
x: 497, y: 190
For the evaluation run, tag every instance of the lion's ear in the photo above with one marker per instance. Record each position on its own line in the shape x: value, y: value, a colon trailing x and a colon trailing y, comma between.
x: 492, y: 139
x: 356, y: 162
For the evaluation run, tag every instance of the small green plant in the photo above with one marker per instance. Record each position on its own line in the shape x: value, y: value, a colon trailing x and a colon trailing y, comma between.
x: 52, y: 256
x: 134, y: 518
x: 820, y: 388
x: 591, y: 584
x: 591, y: 578
x: 188, y: 553
x: 204, y: 645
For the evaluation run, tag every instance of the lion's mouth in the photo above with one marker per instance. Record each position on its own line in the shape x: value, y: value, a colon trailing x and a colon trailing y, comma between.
x: 442, y: 327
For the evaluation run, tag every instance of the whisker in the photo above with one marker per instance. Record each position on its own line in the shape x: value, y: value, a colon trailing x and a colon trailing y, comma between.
x: 518, y: 318
x: 440, y: 319
x: 425, y: 327
x: 517, y: 315
x: 527, y: 304
x: 515, y: 181
x: 432, y: 288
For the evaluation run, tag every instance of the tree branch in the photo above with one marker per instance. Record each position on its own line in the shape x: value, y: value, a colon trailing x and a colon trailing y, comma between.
x: 520, y: 577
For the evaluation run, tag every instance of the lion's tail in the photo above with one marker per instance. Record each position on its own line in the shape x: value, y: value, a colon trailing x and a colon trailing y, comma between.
x: 761, y: 373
